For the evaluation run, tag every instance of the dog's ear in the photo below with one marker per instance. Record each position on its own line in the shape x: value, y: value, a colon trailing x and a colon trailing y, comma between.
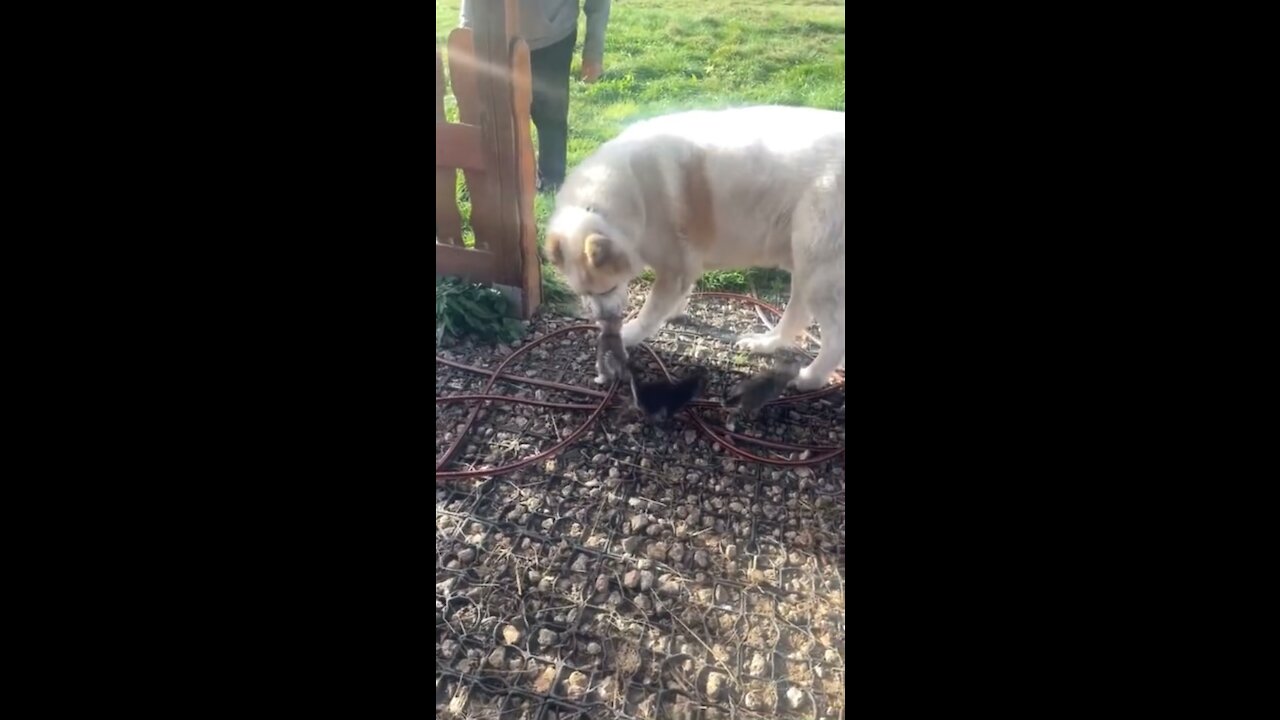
x: 599, y: 250
x: 553, y: 251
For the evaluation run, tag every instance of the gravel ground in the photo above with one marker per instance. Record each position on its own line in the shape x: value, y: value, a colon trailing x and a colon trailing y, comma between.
x: 643, y: 571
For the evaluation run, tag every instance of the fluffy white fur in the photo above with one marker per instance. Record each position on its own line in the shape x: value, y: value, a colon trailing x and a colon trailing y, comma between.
x: 706, y: 190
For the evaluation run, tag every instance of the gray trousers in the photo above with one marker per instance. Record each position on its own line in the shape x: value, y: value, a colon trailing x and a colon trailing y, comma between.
x: 549, y: 68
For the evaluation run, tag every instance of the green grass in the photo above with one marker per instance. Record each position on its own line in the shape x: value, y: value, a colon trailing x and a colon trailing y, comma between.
x: 663, y: 56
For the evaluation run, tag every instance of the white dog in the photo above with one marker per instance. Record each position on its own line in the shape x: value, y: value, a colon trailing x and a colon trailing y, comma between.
x: 697, y: 191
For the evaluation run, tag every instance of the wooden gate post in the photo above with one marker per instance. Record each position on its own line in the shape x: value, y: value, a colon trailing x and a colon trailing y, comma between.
x: 495, y: 25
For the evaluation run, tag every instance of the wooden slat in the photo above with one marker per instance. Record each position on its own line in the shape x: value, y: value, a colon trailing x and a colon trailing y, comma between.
x: 459, y: 146
x: 481, y: 186
x: 521, y: 96
x: 440, y: 88
x: 492, y: 50
x: 474, y: 265
x: 463, y: 69
x: 448, y: 217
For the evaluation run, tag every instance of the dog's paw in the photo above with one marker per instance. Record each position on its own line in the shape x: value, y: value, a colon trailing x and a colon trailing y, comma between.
x: 808, y: 380
x: 633, y: 334
x: 764, y: 343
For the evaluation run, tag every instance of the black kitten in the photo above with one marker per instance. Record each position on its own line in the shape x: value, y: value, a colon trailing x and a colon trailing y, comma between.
x: 661, y: 400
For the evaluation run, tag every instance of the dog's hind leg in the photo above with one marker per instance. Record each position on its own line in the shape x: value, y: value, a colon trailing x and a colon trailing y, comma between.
x: 818, y: 247
x: 795, y: 318
x: 831, y: 321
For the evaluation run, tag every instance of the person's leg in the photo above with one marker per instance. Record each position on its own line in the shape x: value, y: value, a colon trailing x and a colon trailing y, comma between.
x: 549, y: 68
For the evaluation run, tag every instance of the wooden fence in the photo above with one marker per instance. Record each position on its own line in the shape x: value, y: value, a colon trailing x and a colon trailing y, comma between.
x: 491, y: 145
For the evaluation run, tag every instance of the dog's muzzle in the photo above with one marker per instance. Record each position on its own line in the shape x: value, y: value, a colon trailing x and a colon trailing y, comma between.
x: 608, y: 305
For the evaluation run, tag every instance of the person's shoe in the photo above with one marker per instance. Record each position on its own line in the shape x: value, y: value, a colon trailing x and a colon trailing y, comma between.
x: 547, y: 187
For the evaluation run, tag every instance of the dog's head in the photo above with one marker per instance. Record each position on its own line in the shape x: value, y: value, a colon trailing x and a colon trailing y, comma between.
x: 595, y: 259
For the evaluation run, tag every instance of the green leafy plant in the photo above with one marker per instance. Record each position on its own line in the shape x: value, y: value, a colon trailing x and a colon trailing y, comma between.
x: 723, y: 281
x: 556, y: 295
x: 467, y: 309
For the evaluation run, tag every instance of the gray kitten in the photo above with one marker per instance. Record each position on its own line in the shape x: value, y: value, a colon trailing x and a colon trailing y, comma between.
x: 611, y: 356
x: 751, y: 394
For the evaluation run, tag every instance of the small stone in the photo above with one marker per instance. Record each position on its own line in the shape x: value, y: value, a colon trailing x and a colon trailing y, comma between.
x: 657, y: 552
x: 757, y: 665
x: 638, y: 522
x: 654, y: 530
x: 737, y: 506
x: 701, y: 558
x: 459, y: 701
x: 602, y: 583
x: 631, y: 544
x: 497, y: 657
x: 669, y: 588
x: 731, y: 551
x: 604, y: 690
x: 690, y: 435
x: 511, y: 634
x: 715, y: 683
x: 598, y: 459
x: 831, y: 656
x: 534, y: 576
x: 752, y: 700
x: 613, y: 472
x: 546, y: 638
x: 593, y: 648
x: 466, y: 556
x: 576, y: 685
x: 631, y: 579
x: 646, y: 579
x: 795, y: 696
x: 676, y: 553
x: 545, y: 585
x: 545, y: 680
x: 580, y: 564
x: 642, y: 602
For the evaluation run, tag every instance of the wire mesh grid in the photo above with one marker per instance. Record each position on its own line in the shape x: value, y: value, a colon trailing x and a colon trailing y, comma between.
x: 644, y: 571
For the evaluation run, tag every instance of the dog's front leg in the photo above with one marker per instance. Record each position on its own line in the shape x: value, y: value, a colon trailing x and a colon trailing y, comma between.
x: 664, y: 296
